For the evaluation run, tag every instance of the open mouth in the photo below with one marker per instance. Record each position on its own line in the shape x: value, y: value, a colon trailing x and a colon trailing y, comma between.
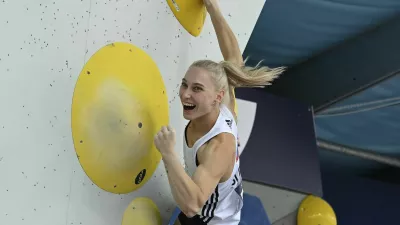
x: 188, y: 106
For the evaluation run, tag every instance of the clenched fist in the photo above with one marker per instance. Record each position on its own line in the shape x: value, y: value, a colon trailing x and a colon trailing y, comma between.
x: 165, y: 140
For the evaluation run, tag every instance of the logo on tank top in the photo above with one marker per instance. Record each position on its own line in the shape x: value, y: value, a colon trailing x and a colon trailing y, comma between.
x: 229, y: 122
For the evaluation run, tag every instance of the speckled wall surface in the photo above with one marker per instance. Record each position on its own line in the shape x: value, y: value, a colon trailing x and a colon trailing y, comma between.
x: 44, y: 46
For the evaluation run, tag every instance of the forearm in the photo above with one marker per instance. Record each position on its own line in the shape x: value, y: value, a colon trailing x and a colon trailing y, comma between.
x: 184, y: 190
x: 226, y: 38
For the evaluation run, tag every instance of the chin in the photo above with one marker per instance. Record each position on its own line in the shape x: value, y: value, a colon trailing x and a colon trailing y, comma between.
x: 190, y: 115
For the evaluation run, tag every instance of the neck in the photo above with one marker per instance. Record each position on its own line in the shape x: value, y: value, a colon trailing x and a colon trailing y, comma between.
x: 206, y: 122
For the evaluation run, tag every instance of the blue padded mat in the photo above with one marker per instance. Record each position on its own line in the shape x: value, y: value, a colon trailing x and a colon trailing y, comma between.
x: 253, y: 212
x: 174, y: 216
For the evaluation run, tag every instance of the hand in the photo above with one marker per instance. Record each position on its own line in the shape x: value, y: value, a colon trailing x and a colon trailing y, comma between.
x: 165, y: 140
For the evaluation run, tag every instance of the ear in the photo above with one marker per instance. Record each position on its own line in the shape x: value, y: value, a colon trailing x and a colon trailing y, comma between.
x: 220, y: 96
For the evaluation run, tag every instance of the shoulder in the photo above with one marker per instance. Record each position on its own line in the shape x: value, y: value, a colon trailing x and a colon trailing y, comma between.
x: 217, y: 155
x: 220, y: 146
x: 222, y: 139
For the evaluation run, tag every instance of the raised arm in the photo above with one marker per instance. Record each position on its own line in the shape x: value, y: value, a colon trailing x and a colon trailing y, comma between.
x: 227, y: 41
x: 226, y: 38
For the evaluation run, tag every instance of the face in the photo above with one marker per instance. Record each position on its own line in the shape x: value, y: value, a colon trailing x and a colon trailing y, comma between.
x: 198, y: 93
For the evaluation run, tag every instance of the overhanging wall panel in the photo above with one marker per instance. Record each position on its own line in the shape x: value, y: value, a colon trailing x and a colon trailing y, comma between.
x: 281, y: 150
x: 343, y: 69
x: 312, y: 27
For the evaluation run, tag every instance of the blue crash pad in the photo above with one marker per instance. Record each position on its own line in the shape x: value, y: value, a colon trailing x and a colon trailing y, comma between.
x: 174, y: 216
x: 253, y: 212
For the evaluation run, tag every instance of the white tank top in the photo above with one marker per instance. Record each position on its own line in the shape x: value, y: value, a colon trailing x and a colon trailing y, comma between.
x: 225, y: 204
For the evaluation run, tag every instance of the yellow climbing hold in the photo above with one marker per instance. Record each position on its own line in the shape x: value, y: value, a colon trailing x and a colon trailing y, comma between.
x: 190, y: 14
x: 315, y: 211
x: 119, y: 104
x: 142, y: 211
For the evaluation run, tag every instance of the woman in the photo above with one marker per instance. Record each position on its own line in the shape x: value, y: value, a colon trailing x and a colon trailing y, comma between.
x: 209, y: 189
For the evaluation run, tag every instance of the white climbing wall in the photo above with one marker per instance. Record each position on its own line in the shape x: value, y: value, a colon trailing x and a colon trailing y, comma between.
x: 44, y: 45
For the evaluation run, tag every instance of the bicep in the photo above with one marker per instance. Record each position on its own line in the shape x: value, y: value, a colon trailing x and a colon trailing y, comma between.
x: 212, y: 167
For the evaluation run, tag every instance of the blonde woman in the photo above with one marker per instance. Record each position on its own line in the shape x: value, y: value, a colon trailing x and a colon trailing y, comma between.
x: 209, y: 190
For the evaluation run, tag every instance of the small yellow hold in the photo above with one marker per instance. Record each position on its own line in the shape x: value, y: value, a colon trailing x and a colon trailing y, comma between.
x: 315, y: 211
x: 190, y: 14
x: 142, y: 211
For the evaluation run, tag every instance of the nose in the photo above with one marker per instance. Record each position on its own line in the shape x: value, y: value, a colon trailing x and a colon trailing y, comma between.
x: 186, y: 93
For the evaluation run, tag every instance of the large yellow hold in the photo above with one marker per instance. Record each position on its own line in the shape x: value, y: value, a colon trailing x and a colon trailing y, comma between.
x: 119, y: 104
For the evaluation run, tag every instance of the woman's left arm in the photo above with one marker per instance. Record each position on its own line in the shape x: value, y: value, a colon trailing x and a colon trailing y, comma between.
x: 191, y: 193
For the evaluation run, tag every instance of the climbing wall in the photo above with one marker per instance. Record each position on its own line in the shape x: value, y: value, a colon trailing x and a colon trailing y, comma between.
x: 49, y: 48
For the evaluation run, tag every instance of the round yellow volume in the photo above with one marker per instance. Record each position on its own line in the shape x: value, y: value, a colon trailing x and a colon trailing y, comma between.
x: 315, y: 211
x: 119, y: 104
x: 142, y: 211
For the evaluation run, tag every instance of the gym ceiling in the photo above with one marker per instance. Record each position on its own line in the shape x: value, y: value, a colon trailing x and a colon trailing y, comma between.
x: 343, y: 58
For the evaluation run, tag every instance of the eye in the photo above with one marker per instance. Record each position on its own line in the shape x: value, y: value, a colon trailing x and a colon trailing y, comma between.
x: 183, y: 85
x: 197, y: 89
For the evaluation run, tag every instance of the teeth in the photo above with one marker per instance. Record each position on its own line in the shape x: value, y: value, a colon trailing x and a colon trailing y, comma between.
x: 187, y: 104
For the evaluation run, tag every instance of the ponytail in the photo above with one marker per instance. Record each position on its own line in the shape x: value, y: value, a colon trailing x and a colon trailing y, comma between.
x: 246, y: 76
x: 228, y: 75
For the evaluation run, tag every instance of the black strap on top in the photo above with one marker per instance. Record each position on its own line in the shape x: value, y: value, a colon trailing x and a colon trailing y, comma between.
x: 184, y: 220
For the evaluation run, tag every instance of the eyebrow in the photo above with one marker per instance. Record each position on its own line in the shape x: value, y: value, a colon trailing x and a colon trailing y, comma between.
x: 198, y: 84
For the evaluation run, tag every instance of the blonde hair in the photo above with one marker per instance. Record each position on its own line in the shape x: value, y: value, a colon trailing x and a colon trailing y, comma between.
x: 228, y: 75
